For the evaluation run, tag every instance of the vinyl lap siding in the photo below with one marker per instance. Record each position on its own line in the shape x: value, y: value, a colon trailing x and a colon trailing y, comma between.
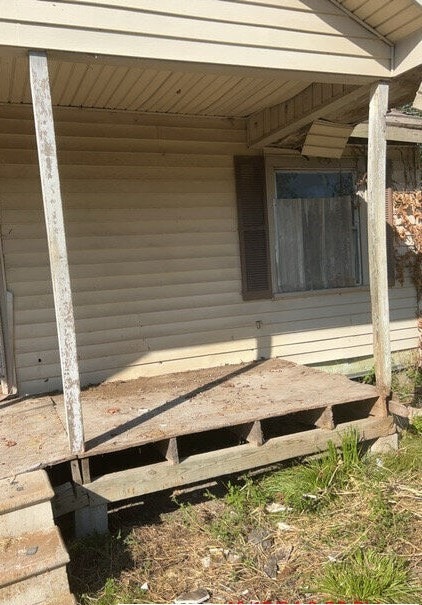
x: 320, y: 38
x: 154, y: 258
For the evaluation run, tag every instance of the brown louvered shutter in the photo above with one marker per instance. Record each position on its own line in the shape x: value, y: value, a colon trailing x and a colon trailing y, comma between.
x: 253, y: 226
x: 391, y: 261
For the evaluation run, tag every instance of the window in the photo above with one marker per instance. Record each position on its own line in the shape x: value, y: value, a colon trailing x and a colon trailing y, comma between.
x: 312, y: 236
x: 317, y: 231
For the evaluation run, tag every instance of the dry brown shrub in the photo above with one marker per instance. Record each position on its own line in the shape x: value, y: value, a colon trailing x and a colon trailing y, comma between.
x: 408, y: 233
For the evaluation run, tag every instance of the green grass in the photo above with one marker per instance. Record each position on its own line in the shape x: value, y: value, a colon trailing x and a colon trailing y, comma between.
x: 114, y: 593
x: 364, y: 517
x: 311, y: 485
x: 370, y: 577
x: 243, y: 503
x: 416, y: 425
x: 406, y: 462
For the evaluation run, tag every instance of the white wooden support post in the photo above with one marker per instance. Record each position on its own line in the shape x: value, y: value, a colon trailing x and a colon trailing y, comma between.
x: 377, y: 155
x: 53, y: 211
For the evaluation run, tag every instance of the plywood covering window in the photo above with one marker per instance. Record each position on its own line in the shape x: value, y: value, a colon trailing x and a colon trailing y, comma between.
x: 317, y: 231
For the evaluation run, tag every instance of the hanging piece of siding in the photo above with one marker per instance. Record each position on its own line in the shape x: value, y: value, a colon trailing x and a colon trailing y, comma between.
x: 326, y: 139
x: 253, y: 226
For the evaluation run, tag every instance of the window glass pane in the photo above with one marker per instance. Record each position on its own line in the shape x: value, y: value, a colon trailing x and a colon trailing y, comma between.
x: 310, y: 185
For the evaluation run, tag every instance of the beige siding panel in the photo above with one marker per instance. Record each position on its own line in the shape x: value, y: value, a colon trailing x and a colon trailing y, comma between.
x: 142, y: 144
x: 408, y: 53
x: 81, y: 16
x: 250, y: 13
x: 164, y: 337
x: 154, y: 259
x: 156, y: 174
x: 218, y: 32
x: 139, y: 348
x: 88, y: 123
x: 201, y: 307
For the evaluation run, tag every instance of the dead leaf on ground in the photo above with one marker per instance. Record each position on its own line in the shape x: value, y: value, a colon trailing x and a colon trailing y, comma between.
x: 112, y: 410
x: 9, y: 442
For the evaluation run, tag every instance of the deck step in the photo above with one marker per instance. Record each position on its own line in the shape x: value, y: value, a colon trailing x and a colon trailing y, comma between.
x: 33, y: 568
x: 25, y: 504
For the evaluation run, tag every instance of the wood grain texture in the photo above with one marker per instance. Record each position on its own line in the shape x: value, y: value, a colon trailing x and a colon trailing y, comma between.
x: 50, y: 184
x: 156, y: 477
x: 145, y: 412
x: 158, y: 410
x: 377, y: 237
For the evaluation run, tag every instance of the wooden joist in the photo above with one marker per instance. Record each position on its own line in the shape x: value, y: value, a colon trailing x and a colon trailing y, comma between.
x: 317, y: 101
x: 134, y: 482
x: 169, y: 449
x: 250, y: 432
x: 323, y: 418
x: 393, y: 133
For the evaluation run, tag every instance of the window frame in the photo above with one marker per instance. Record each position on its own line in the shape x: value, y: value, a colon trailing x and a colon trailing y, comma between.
x: 296, y: 163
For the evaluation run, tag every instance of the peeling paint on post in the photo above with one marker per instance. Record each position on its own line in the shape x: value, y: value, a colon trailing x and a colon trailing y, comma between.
x: 377, y: 242
x: 53, y: 211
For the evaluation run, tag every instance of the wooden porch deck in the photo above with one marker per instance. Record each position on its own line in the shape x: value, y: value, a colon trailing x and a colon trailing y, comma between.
x: 248, y: 399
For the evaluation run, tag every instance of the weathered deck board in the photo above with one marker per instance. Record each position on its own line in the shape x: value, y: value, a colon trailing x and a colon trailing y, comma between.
x: 31, y: 436
x: 118, y: 416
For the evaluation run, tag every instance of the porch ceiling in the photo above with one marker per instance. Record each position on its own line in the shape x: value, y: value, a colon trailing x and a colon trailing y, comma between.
x: 396, y: 21
x: 123, y: 87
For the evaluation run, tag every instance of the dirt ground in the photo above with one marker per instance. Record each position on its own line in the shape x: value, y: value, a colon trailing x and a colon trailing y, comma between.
x: 207, y: 538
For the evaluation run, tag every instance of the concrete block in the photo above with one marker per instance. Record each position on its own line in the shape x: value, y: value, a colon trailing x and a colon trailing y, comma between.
x: 385, y: 445
x: 91, y: 520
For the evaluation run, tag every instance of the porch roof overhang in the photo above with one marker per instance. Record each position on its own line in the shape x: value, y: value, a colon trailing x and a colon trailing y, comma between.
x: 262, y: 61
x: 320, y: 38
x: 328, y: 41
x: 266, y: 99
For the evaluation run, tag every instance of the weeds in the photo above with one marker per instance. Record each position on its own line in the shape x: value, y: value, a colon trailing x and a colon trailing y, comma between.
x: 95, y: 558
x: 386, y: 524
x: 407, y: 461
x: 246, y: 496
x: 114, y: 593
x: 416, y: 425
x: 369, y: 377
x: 309, y: 486
x: 406, y: 383
x: 370, y: 577
x: 351, y: 525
